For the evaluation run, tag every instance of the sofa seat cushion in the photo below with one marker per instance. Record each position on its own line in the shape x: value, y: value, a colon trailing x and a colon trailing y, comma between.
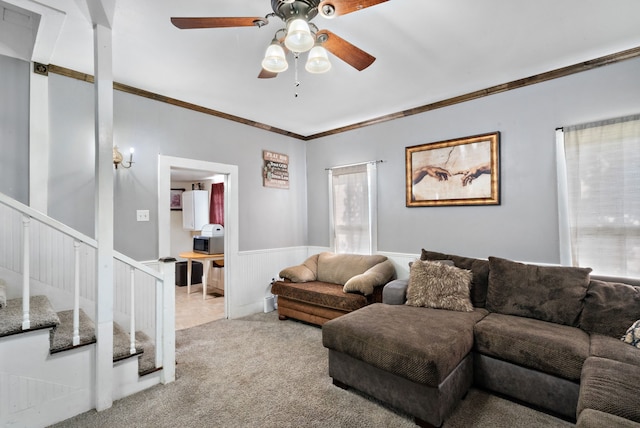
x: 547, y: 347
x: 611, y: 387
x: 614, y: 349
x: 321, y: 294
x: 420, y: 344
x: 590, y: 418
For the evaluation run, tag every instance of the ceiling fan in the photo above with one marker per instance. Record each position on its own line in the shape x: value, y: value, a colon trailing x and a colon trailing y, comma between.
x: 299, y: 35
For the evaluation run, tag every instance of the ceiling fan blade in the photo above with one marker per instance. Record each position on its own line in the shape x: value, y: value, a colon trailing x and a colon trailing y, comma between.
x: 352, y: 55
x: 342, y: 7
x: 189, y: 23
x: 264, y: 74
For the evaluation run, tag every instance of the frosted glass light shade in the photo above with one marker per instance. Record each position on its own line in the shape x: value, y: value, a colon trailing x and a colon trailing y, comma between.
x: 274, y: 59
x: 299, y: 38
x: 318, y: 60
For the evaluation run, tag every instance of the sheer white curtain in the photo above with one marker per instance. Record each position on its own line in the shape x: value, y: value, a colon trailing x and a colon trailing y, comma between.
x: 353, y: 208
x: 603, y: 195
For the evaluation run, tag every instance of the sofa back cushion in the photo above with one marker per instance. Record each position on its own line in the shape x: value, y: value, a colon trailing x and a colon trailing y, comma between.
x: 548, y: 293
x: 479, y: 270
x: 610, y: 308
x: 340, y: 268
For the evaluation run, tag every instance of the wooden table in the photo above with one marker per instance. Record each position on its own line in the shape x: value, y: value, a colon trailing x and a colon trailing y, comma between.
x: 206, y: 258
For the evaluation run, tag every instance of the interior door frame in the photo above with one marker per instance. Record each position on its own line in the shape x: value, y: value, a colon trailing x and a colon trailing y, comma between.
x: 231, y: 215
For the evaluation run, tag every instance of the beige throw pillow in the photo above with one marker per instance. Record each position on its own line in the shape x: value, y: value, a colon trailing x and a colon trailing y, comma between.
x: 435, y: 285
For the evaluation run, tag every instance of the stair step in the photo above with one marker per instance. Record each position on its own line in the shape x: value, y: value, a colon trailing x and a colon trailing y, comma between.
x: 62, y: 336
x: 41, y: 315
x: 121, y: 344
x: 146, y: 361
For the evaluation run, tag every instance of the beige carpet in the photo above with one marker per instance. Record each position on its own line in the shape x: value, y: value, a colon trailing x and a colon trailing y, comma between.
x: 261, y: 372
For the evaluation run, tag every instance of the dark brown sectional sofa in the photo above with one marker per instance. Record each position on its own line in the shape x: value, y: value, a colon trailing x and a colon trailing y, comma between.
x: 545, y: 336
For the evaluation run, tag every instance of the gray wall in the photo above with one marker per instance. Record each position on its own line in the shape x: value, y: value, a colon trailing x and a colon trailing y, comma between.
x: 525, y: 225
x: 14, y: 128
x: 269, y: 218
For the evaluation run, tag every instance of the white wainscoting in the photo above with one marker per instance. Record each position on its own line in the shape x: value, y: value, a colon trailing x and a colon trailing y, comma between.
x: 258, y: 268
x: 401, y: 262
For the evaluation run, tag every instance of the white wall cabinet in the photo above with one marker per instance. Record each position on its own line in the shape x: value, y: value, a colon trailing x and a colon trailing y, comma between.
x: 195, y: 209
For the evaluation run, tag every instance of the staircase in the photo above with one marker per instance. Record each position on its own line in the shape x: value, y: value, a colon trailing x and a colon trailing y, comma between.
x: 50, y: 348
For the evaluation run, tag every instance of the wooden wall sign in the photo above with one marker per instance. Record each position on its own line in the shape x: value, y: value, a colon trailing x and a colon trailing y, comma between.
x: 275, y: 172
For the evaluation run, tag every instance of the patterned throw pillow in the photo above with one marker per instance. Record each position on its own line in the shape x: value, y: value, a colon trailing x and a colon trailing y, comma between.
x: 436, y: 285
x: 633, y: 335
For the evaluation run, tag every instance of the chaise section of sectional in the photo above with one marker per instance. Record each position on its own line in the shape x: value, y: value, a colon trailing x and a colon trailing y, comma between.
x: 416, y: 359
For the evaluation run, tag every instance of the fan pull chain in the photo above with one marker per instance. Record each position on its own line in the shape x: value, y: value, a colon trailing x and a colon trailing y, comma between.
x: 296, y: 82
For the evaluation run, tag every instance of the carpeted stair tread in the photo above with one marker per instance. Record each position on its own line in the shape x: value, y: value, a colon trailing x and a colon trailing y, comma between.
x: 121, y: 344
x: 41, y: 315
x: 62, y: 336
x: 146, y: 361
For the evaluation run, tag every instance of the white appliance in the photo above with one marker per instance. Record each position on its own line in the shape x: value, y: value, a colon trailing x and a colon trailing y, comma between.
x: 195, y: 209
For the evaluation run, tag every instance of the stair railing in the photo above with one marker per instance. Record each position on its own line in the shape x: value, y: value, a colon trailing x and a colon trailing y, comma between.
x: 29, y: 214
x: 164, y: 307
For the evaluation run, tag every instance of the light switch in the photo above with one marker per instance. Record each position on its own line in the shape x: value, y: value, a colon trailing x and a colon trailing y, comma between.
x: 142, y: 215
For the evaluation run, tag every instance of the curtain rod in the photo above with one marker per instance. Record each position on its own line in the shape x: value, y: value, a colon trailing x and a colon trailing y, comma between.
x: 353, y: 164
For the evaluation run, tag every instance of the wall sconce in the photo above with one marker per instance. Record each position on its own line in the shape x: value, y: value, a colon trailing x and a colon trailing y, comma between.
x: 117, y: 158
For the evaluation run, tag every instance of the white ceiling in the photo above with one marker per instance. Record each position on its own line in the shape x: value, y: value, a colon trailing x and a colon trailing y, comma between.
x: 426, y: 50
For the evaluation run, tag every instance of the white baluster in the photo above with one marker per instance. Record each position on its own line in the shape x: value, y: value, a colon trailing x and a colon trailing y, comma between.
x: 76, y: 292
x: 26, y: 274
x: 132, y: 329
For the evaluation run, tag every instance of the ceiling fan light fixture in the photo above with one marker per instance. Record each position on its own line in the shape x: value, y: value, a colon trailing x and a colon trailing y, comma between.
x: 318, y: 60
x: 275, y: 60
x: 299, y: 38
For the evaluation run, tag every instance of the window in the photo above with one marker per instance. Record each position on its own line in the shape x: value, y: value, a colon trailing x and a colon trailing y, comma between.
x: 352, y: 203
x: 602, y: 195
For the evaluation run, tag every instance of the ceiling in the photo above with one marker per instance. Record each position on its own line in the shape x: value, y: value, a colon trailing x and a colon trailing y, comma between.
x: 426, y: 50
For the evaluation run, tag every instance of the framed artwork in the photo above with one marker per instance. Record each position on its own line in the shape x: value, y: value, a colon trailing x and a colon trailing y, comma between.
x: 464, y: 171
x: 176, y: 199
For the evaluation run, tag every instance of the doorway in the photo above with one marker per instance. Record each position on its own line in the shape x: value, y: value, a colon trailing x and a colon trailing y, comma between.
x: 197, y: 169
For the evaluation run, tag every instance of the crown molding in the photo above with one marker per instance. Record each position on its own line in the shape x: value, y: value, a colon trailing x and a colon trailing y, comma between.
x: 515, y: 84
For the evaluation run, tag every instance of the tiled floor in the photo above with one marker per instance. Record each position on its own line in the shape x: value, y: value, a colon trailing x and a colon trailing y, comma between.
x: 192, y: 310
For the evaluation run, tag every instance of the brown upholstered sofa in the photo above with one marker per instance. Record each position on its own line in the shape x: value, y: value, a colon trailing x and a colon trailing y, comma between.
x: 543, y: 335
x: 328, y: 285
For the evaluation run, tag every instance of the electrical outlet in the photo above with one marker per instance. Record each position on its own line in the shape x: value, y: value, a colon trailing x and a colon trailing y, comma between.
x: 142, y: 215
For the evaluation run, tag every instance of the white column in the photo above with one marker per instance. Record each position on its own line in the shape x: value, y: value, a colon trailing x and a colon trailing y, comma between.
x: 168, y: 341
x: 104, y: 213
x: 38, y: 142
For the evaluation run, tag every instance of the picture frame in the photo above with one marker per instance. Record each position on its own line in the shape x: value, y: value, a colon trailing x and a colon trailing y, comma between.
x: 462, y: 171
x: 176, y: 199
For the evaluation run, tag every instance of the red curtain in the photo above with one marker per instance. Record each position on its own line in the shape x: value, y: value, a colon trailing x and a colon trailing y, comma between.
x: 216, y: 211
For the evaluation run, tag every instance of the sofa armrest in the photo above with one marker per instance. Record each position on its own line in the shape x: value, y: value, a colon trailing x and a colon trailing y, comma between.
x: 305, y: 272
x: 395, y: 292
